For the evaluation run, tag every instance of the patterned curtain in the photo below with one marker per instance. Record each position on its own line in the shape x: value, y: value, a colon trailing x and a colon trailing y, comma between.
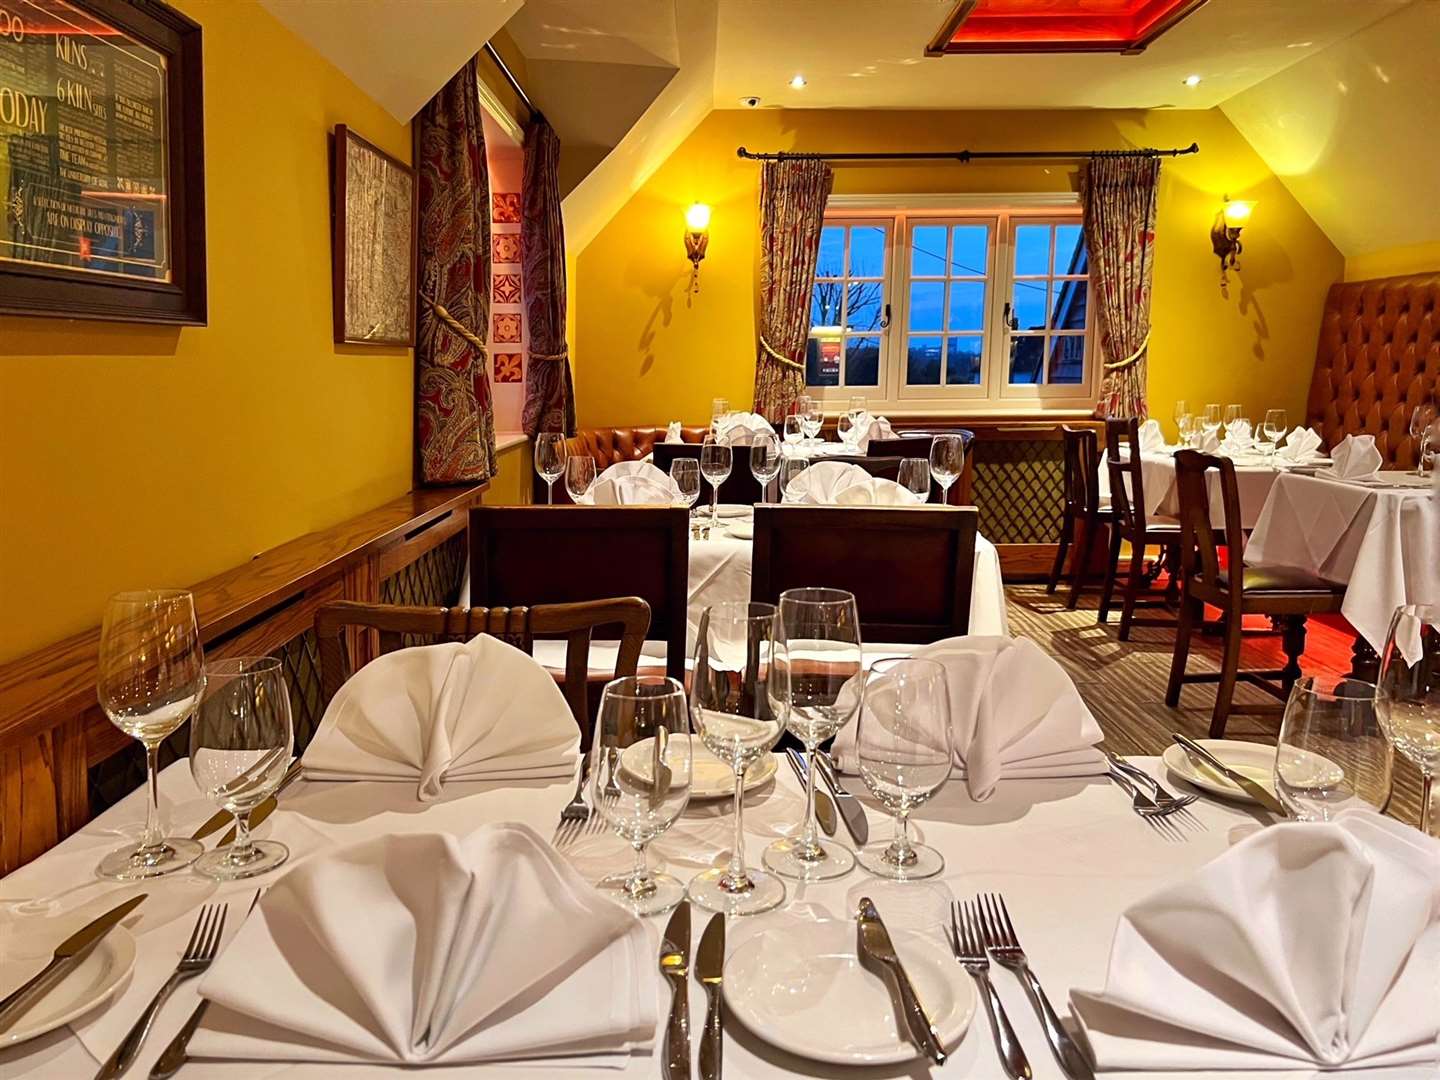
x: 792, y: 211
x: 455, y: 419
x: 549, y: 389
x: 1118, y: 194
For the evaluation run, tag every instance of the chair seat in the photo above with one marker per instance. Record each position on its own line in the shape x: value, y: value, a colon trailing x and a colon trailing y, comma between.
x: 1281, y: 579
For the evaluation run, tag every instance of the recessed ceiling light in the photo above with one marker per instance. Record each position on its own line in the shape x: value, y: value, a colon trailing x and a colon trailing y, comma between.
x: 798, y: 82
x: 1192, y: 80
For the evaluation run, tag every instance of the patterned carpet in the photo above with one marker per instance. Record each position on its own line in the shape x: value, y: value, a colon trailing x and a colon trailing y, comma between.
x: 1124, y: 682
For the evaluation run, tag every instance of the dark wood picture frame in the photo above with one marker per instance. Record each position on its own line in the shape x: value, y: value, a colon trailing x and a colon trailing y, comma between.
x: 59, y: 292
x: 340, y: 212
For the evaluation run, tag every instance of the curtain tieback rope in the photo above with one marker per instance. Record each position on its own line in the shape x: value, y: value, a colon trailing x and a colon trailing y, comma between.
x: 1133, y: 358
x: 777, y: 356
x: 455, y: 325
x: 563, y: 354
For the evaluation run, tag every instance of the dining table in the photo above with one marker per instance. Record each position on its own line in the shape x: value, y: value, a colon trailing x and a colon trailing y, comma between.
x: 1255, y: 475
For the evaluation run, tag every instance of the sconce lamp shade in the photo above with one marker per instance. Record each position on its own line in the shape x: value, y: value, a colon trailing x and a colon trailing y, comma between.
x: 697, y: 217
x: 1237, y: 213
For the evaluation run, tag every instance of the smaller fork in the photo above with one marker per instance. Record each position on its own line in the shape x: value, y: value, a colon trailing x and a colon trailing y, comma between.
x: 576, y: 813
x: 968, y: 945
x: 1163, y: 799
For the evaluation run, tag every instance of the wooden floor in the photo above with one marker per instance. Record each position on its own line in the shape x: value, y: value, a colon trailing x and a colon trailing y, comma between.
x: 1124, y: 682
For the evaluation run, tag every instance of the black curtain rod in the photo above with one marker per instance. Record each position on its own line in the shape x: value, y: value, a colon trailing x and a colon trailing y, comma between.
x: 510, y: 78
x: 967, y: 156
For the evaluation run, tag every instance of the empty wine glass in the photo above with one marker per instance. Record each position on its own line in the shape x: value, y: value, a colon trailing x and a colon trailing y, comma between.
x: 794, y: 429
x: 845, y: 428
x: 739, y: 700
x: 640, y: 768
x: 1181, y: 410
x: 1332, y: 753
x: 1210, y: 420
x: 715, y: 461
x: 856, y: 406
x: 1231, y: 414
x: 1188, y: 426
x: 1408, y: 694
x: 550, y: 461
x: 719, y: 409
x: 947, y: 461
x: 790, y: 468
x: 151, y: 672
x: 765, y: 460
x: 904, y: 748
x: 579, y: 475
x: 915, y: 474
x: 820, y: 652
x: 813, y: 417
x: 1275, y: 426
x: 685, y: 472
x: 240, y: 744
x: 1422, y: 422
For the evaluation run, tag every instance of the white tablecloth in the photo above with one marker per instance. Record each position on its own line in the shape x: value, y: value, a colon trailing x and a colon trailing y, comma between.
x: 1253, y: 478
x: 1380, y: 540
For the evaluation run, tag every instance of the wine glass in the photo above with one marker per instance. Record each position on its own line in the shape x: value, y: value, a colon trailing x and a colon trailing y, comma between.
x: 715, y: 458
x: 719, y: 409
x: 790, y: 468
x: 1332, y: 753
x: 739, y: 700
x: 905, y: 752
x: 1181, y: 410
x: 915, y: 474
x: 685, y: 472
x: 947, y: 459
x: 151, y: 672
x: 765, y: 461
x: 1232, y: 413
x: 845, y: 428
x: 640, y: 779
x: 550, y: 461
x: 813, y: 417
x: 856, y: 406
x: 1210, y: 420
x: 820, y: 653
x: 1188, y: 426
x: 794, y: 429
x: 1421, y: 421
x: 1275, y: 426
x: 1408, y: 696
x: 579, y: 475
x: 240, y: 744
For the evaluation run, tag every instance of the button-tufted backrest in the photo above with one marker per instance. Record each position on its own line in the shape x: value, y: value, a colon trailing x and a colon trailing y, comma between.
x: 1378, y: 358
x: 610, y: 446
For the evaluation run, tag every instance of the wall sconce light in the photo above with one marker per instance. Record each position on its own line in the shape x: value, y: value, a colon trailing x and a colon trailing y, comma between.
x: 1225, y: 233
x: 697, y: 239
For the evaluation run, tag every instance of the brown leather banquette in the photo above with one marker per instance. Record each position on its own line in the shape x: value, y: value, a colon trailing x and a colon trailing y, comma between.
x: 612, y: 445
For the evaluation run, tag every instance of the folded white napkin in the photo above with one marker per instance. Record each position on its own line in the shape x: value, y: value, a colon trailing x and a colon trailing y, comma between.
x: 673, y: 432
x: 481, y: 710
x: 631, y: 491
x: 1303, y: 945
x: 869, y: 427
x: 426, y: 949
x: 1207, y: 442
x: 1239, y: 437
x: 645, y: 469
x: 1152, y: 439
x: 877, y: 491
x: 823, y: 481
x: 1356, y: 458
x: 739, y: 429
x: 1014, y: 713
x: 1300, y: 444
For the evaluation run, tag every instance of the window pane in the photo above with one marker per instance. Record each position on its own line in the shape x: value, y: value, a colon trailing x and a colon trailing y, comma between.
x: 867, y: 251
x: 831, y: 261
x: 1069, y: 299
x: 862, y: 311
x: 962, y: 366
x: 862, y: 361
x: 825, y: 303
x: 1067, y: 360
x: 922, y: 366
x: 1026, y: 353
x: 1032, y: 249
x: 927, y: 298
x: 1069, y: 250
x: 927, y: 251
x: 968, y: 248
x: 967, y: 305
x: 822, y: 362
x: 1028, y: 312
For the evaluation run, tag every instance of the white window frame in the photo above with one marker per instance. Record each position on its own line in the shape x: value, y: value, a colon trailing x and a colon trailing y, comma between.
x: 886, y: 280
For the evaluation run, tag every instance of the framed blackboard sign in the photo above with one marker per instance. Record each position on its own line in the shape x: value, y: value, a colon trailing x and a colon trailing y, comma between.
x: 102, y: 170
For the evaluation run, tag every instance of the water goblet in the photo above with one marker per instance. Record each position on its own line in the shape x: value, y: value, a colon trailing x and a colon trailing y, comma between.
x: 579, y: 475
x: 947, y: 461
x: 1332, y: 752
x: 715, y: 463
x: 764, y: 460
x: 794, y: 429
x: 915, y: 474
x: 1408, y: 696
x: 550, y: 461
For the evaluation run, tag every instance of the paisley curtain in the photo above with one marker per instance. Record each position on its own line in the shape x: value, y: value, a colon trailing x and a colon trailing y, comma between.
x: 455, y: 420
x: 549, y: 388
x: 1119, y: 194
x: 792, y: 212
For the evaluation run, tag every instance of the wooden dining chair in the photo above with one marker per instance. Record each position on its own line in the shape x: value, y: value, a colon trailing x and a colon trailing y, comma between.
x: 1286, y: 595
x: 739, y: 488
x: 1133, y: 525
x: 911, y: 568
x: 1082, y: 509
x: 397, y: 626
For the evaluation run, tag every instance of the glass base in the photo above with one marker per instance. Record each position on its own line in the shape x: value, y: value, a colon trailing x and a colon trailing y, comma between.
x: 786, y: 858
x: 713, y: 892
x: 660, y: 893
x: 222, y: 864
x: 880, y: 861
x: 134, y: 863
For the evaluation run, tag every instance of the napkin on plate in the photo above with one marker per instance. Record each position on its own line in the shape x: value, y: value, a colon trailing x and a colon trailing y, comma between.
x: 869, y: 427
x: 672, y: 432
x: 629, y: 491
x: 431, y: 949
x: 1014, y: 713
x: 739, y: 429
x: 481, y: 710
x: 1304, y: 945
x: 1356, y: 458
x: 823, y: 481
x: 1152, y: 439
x: 1300, y: 444
x: 877, y: 491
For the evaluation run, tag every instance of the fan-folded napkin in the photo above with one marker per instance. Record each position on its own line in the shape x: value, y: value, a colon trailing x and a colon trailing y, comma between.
x: 1356, y: 458
x: 1207, y: 442
x: 481, y: 710
x: 869, y: 427
x: 1239, y: 437
x: 426, y: 948
x: 1152, y: 439
x: 672, y: 432
x: 823, y: 481
x: 740, y: 429
x: 1300, y: 444
x: 877, y: 491
x: 1306, y: 944
x: 632, y: 483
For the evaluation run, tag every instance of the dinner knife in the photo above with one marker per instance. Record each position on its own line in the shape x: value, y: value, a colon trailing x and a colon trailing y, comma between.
x: 824, y: 807
x: 675, y: 965
x: 710, y: 970
x: 261, y: 811
x: 1250, y: 787
x: 67, y: 954
x: 850, y: 809
x: 875, y: 945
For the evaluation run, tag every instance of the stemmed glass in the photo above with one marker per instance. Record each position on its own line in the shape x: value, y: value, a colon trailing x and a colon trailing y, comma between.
x: 845, y: 428
x: 719, y: 409
x: 915, y: 474
x: 685, y: 472
x: 1188, y: 427
x: 579, y: 475
x: 1231, y: 415
x: 1421, y: 421
x: 1182, y: 410
x: 240, y: 744
x: 790, y: 468
x: 1408, y: 696
x: 715, y: 459
x: 857, y: 405
x: 1210, y: 420
x: 904, y: 748
x: 947, y: 460
x: 1275, y: 426
x: 151, y: 673
x: 640, y: 779
x: 820, y: 652
x: 550, y: 461
x: 739, y: 700
x: 812, y: 417
x: 1332, y: 753
x: 765, y: 461
x: 794, y: 429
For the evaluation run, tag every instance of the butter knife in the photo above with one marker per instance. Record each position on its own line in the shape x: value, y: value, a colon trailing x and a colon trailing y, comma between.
x: 67, y: 955
x: 261, y: 811
x: 850, y: 809
x: 1250, y: 787
x: 824, y: 807
x: 876, y: 948
x: 710, y: 970
x: 675, y: 965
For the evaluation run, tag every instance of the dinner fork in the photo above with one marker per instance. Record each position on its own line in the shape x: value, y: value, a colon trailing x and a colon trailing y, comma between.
x: 968, y: 945
x: 199, y: 955
x: 576, y: 813
x: 1146, y: 807
x: 1005, y: 948
x: 1163, y: 799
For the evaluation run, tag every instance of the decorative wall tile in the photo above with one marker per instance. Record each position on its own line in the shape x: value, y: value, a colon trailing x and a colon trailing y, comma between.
x: 505, y: 206
x: 508, y: 368
x: 507, y: 328
x: 505, y: 288
x: 505, y: 247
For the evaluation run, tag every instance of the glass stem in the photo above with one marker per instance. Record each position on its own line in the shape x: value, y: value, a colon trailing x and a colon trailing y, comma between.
x: 810, y: 835
x: 736, y: 879
x: 242, y: 848
x: 153, y: 838
x: 1427, y: 792
x: 642, y: 868
x: 714, y: 501
x: 900, y: 846
x: 549, y: 492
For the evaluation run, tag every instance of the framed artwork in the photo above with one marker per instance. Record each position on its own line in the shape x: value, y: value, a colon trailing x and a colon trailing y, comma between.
x: 374, y: 235
x: 102, y: 161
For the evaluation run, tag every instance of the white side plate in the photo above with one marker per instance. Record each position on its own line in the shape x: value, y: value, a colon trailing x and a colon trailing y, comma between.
x: 1254, y: 760
x: 710, y: 777
x: 91, y: 982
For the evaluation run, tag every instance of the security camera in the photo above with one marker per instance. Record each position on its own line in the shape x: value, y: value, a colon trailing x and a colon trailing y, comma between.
x: 751, y: 102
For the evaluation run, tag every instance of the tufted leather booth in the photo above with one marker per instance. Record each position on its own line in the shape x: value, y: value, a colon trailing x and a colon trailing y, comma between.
x: 1378, y: 358
x: 610, y: 446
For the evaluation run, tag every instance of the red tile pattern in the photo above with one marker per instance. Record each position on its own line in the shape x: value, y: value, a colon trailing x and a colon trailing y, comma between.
x: 509, y: 368
x: 505, y: 288
x: 505, y: 206
x: 507, y: 329
x: 505, y: 248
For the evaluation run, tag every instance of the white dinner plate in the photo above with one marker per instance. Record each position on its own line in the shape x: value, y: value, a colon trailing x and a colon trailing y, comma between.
x: 734, y: 510
x: 1254, y: 760
x: 92, y: 981
x: 740, y: 531
x: 800, y: 986
x: 710, y: 777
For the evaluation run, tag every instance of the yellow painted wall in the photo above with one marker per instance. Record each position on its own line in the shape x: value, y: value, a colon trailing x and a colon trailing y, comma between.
x: 133, y: 456
x: 510, y: 486
x: 1411, y: 259
x: 647, y: 352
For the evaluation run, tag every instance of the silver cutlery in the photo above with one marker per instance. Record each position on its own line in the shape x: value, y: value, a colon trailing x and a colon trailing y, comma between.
x: 66, y: 957
x: 576, y: 813
x: 968, y: 945
x: 199, y: 955
x: 612, y: 786
x: 824, y: 807
x: 261, y: 811
x: 851, y: 812
x: 675, y: 965
x: 710, y: 970
x: 1146, y: 807
x: 877, y: 952
x: 1255, y: 790
x: 1163, y: 799
x: 1005, y: 948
